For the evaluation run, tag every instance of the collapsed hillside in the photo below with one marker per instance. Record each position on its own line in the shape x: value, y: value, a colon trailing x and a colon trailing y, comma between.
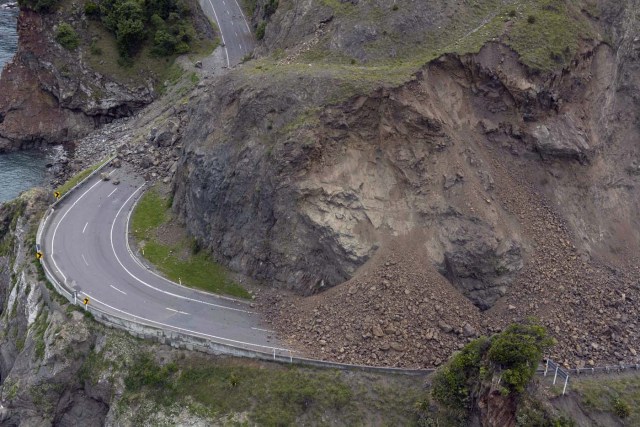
x: 499, y: 185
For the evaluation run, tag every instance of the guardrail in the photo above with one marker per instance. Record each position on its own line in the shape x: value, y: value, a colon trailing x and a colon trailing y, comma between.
x: 190, y: 341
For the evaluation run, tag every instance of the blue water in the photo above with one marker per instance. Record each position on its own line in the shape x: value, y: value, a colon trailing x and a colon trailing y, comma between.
x: 18, y: 171
x: 21, y: 171
x: 8, y: 35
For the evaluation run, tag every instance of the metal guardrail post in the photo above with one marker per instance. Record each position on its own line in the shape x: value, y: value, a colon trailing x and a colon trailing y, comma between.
x: 566, y: 381
x: 555, y: 376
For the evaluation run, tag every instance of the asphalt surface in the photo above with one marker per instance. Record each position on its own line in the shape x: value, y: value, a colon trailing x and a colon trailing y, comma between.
x: 236, y: 36
x: 86, y: 246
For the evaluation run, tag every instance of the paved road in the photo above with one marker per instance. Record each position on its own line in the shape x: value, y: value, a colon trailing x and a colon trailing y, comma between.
x: 85, y: 244
x: 235, y: 33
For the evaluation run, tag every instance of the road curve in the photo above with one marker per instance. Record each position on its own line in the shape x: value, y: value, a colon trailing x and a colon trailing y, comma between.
x: 236, y: 36
x: 85, y: 244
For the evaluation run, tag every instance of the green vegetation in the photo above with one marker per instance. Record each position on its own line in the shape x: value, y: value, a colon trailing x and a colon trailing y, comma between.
x: 39, y: 329
x: 619, y: 395
x: 67, y: 37
x: 165, y: 23
x: 74, y: 180
x: 262, y: 27
x: 177, y: 260
x: 40, y: 6
x: 268, y: 394
x: 512, y: 355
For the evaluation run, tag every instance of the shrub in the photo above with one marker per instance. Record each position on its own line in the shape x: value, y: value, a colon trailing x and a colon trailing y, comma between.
x: 621, y: 408
x: 394, y: 7
x: 270, y: 8
x: 451, y: 384
x: 531, y: 19
x: 67, y: 37
x: 517, y: 351
x: 514, y: 354
x: 260, y: 30
x: 91, y: 9
x: 145, y: 372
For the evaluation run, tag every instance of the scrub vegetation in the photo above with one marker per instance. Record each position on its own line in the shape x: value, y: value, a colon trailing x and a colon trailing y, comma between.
x: 268, y: 394
x: 179, y: 258
x: 619, y: 396
x: 74, y: 180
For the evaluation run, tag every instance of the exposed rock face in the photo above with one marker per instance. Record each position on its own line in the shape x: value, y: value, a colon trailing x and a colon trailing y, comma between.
x: 51, y: 95
x: 517, y: 184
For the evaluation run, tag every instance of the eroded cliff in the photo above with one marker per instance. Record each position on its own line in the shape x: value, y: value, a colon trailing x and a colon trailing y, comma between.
x: 486, y: 175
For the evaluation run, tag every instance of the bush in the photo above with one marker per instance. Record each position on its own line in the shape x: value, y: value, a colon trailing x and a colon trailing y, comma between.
x: 270, y: 8
x: 91, y: 9
x: 145, y: 372
x: 67, y: 37
x: 531, y: 19
x: 163, y: 22
x: 517, y: 351
x: 514, y: 354
x: 451, y: 384
x: 260, y: 30
x: 621, y: 408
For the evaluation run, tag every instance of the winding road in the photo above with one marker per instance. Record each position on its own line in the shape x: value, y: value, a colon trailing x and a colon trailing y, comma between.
x: 235, y: 33
x: 86, y: 247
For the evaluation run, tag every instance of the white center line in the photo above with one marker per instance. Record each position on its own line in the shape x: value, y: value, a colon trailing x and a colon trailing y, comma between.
x: 85, y: 227
x: 226, y: 51
x: 263, y: 330
x: 112, y: 193
x: 85, y: 260
x: 176, y: 311
x: 122, y: 292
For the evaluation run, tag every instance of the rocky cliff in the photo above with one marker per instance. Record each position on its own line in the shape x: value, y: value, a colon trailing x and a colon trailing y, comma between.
x: 502, y: 182
x: 52, y: 94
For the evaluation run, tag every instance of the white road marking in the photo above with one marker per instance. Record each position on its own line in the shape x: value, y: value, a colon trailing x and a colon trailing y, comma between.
x: 85, y: 260
x: 147, y: 284
x: 263, y: 330
x: 221, y: 33
x: 236, y: 33
x: 186, y: 330
x: 109, y: 174
x: 177, y: 311
x: 227, y: 11
x: 85, y: 228
x: 244, y: 18
x: 122, y: 292
x: 55, y: 230
x: 144, y: 267
x: 112, y: 192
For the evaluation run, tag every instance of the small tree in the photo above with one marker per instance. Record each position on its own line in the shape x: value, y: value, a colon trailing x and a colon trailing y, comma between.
x: 514, y: 354
x: 67, y: 37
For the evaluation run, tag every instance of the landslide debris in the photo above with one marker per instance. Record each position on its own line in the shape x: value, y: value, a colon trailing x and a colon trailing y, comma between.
x: 483, y: 177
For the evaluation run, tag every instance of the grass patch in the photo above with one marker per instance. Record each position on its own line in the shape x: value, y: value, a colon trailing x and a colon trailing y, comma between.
x: 270, y: 395
x: 74, y: 180
x: 180, y: 261
x: 141, y: 66
x: 619, y: 396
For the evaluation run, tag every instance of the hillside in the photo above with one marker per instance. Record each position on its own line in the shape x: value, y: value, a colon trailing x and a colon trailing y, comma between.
x: 427, y: 189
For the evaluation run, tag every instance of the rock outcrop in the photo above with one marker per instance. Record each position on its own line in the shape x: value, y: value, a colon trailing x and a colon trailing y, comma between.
x: 52, y: 95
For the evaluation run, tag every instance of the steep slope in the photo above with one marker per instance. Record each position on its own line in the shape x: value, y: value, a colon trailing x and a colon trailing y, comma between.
x: 496, y: 177
x: 52, y: 94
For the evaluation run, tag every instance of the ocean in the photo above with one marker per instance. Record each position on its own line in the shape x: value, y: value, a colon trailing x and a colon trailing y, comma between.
x: 23, y: 170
